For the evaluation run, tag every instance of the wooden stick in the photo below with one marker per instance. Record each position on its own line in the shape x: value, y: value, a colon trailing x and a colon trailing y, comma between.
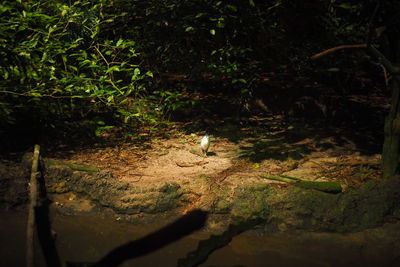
x: 33, y: 193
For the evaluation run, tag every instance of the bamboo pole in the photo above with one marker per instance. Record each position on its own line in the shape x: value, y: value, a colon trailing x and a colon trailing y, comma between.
x: 33, y: 193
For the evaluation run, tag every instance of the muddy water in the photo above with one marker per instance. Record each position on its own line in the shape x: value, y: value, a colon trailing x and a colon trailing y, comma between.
x: 87, y: 239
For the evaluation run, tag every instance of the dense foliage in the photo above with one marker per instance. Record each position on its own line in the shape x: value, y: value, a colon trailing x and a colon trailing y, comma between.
x: 58, y: 64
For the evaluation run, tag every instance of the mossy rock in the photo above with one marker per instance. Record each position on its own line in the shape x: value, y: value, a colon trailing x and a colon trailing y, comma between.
x: 221, y: 205
x: 251, y: 202
x: 168, y: 199
x: 360, y: 209
x: 366, y: 207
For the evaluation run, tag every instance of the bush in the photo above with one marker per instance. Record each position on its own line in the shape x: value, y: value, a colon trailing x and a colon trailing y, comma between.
x: 60, y: 63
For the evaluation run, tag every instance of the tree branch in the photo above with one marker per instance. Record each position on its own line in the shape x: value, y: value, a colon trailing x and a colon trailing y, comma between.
x: 336, y: 48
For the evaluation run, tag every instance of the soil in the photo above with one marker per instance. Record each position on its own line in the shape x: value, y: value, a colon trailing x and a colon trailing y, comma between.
x: 237, y: 156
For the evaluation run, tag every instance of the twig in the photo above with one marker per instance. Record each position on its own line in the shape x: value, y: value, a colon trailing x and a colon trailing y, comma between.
x: 33, y: 193
x: 186, y: 164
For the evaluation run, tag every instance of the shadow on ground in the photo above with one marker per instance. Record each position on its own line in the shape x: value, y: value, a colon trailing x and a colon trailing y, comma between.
x: 349, y: 125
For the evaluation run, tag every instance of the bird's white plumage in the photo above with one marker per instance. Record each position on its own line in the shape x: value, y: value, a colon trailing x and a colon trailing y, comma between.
x: 205, y: 144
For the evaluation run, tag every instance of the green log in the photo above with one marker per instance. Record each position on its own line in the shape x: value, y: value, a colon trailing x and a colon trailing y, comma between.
x: 328, y: 187
x: 73, y: 166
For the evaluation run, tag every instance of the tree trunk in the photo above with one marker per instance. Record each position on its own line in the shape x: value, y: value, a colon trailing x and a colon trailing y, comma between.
x: 390, y: 154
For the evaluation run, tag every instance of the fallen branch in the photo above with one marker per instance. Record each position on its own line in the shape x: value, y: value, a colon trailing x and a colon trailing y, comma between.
x: 328, y: 187
x: 33, y: 200
x: 336, y: 48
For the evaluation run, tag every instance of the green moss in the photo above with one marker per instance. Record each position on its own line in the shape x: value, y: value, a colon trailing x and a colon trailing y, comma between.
x: 251, y: 202
x: 169, y: 188
x: 363, y: 208
x: 205, y: 178
x: 169, y: 198
x: 221, y: 204
x: 353, y: 211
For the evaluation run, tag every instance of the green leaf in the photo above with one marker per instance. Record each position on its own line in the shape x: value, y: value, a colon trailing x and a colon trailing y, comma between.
x: 119, y: 42
x: 232, y: 7
x: 24, y: 54
x: 101, y: 129
x: 255, y: 166
x: 189, y: 29
x: 212, y: 31
x: 346, y: 6
x: 113, y: 68
x: 110, y: 98
x: 251, y: 2
x: 85, y: 62
x: 200, y: 15
x: 78, y: 40
x: 240, y: 80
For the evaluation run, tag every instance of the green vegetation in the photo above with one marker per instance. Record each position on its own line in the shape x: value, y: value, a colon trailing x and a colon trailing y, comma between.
x: 252, y: 203
x: 61, y: 64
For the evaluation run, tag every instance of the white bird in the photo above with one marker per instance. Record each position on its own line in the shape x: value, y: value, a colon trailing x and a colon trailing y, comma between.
x: 205, y: 144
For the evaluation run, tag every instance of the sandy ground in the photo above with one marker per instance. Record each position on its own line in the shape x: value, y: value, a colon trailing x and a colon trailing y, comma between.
x: 232, y: 162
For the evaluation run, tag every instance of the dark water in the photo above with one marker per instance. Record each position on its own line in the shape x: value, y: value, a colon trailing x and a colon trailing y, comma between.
x: 81, y: 238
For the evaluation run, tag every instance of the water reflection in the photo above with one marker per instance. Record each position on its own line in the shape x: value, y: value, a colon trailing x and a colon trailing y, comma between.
x: 88, y: 239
